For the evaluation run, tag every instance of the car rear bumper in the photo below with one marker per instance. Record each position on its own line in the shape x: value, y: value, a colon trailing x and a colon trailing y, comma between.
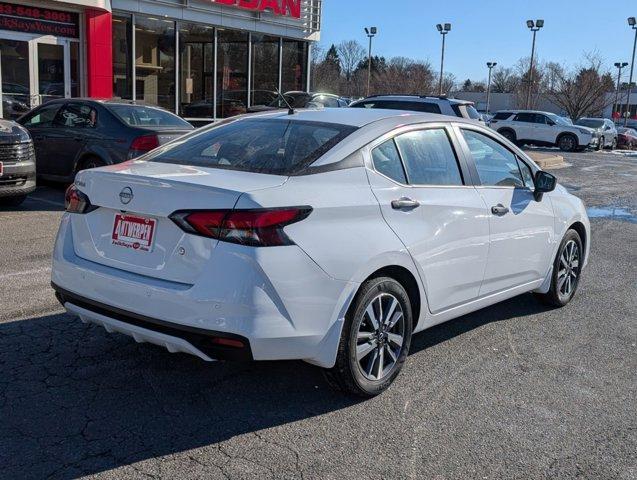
x: 276, y: 300
x: 17, y: 179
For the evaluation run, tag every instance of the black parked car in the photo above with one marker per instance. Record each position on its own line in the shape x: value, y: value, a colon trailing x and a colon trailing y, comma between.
x: 74, y: 134
x: 17, y: 163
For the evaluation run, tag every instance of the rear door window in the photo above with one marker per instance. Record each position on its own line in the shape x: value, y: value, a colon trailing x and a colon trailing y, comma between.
x: 272, y: 146
x: 525, y: 117
x: 502, y: 115
x: 76, y: 115
x: 429, y: 158
x: 387, y: 161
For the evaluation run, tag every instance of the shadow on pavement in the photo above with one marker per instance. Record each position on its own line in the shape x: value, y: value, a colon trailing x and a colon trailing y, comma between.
x: 75, y: 400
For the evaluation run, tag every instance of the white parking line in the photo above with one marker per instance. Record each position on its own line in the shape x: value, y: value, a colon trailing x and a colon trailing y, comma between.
x: 26, y: 272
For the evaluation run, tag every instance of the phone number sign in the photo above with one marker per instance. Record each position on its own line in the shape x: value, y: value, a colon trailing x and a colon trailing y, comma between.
x: 43, y: 21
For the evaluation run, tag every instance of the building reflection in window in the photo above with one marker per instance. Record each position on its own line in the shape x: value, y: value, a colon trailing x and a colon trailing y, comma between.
x: 294, y: 69
x: 232, y: 73
x: 196, y: 76
x: 265, y: 69
x: 155, y: 61
x: 122, y: 64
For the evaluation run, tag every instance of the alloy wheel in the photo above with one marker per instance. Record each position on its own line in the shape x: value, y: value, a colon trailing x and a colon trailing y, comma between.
x: 568, y: 273
x: 567, y: 143
x: 380, y: 337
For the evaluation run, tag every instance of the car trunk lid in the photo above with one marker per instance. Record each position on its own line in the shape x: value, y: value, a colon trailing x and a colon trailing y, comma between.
x: 131, y: 230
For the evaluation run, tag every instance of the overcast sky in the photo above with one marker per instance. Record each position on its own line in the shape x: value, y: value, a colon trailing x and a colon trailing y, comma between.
x: 484, y: 30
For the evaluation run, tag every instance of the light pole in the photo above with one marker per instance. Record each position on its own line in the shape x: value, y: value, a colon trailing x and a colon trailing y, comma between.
x: 371, y: 32
x: 444, y: 29
x: 534, y: 27
x: 620, y: 66
x: 633, y: 24
x: 490, y: 66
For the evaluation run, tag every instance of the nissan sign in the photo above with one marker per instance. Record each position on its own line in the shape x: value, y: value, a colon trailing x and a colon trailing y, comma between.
x: 286, y: 8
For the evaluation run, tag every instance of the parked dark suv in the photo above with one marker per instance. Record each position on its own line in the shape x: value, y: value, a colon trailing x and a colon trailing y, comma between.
x: 17, y: 163
x: 75, y: 134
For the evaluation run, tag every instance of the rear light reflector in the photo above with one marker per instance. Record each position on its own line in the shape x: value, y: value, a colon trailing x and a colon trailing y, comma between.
x: 228, y: 342
x: 143, y: 144
x: 76, y: 201
x: 256, y: 228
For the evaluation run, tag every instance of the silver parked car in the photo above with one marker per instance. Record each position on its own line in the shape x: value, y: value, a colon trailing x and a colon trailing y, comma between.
x: 605, y: 129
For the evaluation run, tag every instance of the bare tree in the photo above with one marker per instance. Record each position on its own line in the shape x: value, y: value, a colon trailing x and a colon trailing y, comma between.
x: 404, y: 75
x: 350, y: 53
x: 583, y: 91
x: 504, y: 80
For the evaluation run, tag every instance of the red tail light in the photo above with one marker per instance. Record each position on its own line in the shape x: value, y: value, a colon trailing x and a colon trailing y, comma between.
x: 142, y: 145
x: 77, y: 202
x: 256, y: 228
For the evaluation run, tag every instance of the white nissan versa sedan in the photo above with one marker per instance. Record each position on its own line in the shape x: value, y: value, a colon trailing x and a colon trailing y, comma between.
x: 328, y: 236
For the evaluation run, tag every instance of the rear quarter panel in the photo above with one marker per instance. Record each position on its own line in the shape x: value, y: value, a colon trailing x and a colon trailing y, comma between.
x: 345, y: 234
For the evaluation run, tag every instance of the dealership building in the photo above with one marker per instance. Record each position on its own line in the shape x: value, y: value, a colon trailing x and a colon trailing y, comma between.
x: 202, y: 59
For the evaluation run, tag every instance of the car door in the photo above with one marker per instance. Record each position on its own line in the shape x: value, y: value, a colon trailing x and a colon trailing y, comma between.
x: 39, y: 123
x: 522, y: 228
x: 72, y: 129
x: 426, y: 198
x: 545, y: 128
x: 524, y: 124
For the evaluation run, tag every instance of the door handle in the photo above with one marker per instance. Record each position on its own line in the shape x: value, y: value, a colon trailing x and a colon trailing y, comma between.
x: 499, y: 210
x: 404, y: 203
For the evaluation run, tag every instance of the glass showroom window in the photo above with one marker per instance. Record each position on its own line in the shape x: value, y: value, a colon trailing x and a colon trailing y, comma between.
x: 75, y: 69
x: 196, y: 71
x: 232, y: 73
x: 122, y: 63
x: 265, y: 69
x: 155, y: 61
x: 294, y: 71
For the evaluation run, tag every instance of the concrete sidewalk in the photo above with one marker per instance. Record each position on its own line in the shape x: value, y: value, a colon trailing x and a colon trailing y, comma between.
x: 547, y: 160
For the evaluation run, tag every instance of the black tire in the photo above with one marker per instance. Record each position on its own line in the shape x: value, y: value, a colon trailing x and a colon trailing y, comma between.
x: 90, y: 162
x: 567, y: 143
x: 15, y: 201
x: 347, y: 374
x: 508, y: 134
x: 556, y: 297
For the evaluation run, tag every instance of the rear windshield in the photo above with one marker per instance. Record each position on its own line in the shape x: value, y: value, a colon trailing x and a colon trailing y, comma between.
x: 584, y: 122
x: 466, y: 110
x: 272, y: 146
x: 141, y: 116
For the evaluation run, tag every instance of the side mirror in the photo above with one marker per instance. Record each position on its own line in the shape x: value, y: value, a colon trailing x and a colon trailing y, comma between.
x: 544, y: 183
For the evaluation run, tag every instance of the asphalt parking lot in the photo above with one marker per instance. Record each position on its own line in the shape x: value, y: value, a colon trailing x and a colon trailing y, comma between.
x: 513, y: 391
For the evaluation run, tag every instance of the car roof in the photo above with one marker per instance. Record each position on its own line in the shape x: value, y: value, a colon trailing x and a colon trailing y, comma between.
x: 527, y: 111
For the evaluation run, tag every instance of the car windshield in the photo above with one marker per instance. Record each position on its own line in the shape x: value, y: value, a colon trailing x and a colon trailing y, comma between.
x: 590, y: 122
x: 558, y: 120
x: 272, y: 146
x: 142, y: 116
